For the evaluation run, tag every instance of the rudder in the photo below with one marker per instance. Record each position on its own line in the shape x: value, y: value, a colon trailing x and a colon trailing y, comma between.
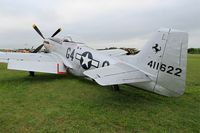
x: 164, y: 59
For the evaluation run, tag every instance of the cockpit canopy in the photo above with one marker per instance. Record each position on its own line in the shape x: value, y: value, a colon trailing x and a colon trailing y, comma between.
x: 67, y: 39
x: 60, y: 41
x: 64, y: 40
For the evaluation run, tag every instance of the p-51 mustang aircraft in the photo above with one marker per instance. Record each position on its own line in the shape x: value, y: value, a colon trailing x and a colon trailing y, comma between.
x: 160, y: 67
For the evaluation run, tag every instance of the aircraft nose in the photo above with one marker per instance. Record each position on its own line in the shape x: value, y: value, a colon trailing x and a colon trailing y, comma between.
x: 45, y: 42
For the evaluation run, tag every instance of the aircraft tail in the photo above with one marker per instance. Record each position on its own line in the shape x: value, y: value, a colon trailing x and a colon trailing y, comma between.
x: 164, y: 60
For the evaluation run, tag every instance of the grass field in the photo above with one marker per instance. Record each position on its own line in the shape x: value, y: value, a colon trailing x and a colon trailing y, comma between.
x: 64, y: 103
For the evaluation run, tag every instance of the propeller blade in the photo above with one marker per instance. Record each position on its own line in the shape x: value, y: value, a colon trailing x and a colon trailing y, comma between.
x: 38, y: 49
x: 38, y: 31
x: 56, y: 32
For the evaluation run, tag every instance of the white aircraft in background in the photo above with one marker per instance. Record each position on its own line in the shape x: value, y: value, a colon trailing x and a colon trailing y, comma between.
x: 160, y: 67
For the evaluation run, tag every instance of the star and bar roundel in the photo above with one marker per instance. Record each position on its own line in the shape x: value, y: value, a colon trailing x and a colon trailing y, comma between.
x: 86, y: 60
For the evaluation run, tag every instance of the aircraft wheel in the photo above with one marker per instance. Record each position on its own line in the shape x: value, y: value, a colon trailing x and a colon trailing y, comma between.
x: 32, y: 74
x: 115, y: 87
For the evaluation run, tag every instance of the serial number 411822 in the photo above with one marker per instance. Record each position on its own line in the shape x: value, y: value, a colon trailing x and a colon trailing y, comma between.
x: 165, y: 68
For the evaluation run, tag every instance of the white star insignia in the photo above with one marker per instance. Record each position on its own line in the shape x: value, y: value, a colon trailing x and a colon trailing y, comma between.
x: 86, y: 59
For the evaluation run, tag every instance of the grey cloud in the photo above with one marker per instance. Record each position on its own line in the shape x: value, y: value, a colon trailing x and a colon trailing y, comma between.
x: 114, y: 25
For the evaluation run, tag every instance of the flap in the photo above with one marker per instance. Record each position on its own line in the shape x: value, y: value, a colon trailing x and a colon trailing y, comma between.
x: 37, y: 62
x: 119, y: 73
x: 35, y: 66
x: 6, y: 57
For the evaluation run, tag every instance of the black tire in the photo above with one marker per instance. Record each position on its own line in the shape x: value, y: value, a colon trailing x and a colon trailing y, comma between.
x: 115, y: 87
x: 32, y: 74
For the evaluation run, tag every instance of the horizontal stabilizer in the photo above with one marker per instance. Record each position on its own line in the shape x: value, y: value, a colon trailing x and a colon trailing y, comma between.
x: 113, y: 52
x: 119, y: 73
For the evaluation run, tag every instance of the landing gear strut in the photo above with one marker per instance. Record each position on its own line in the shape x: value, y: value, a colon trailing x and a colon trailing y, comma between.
x: 115, y: 87
x: 32, y: 74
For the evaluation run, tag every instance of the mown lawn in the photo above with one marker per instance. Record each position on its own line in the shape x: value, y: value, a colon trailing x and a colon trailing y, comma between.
x: 65, y: 103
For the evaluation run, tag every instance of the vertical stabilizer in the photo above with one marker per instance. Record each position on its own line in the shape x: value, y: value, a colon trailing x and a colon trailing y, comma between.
x: 164, y: 59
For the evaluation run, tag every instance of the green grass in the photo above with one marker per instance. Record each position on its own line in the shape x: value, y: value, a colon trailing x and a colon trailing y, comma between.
x: 64, y: 103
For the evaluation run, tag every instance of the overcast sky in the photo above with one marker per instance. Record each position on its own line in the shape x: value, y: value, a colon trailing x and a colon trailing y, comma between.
x: 98, y: 23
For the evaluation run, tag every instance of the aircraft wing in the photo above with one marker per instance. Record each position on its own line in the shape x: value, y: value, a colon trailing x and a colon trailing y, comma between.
x: 37, y: 62
x: 119, y: 73
x: 113, y: 52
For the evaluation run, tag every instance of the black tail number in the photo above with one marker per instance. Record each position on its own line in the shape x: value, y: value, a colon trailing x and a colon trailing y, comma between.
x: 169, y: 69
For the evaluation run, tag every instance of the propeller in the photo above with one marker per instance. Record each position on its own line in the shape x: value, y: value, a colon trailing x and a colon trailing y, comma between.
x: 40, y: 33
x: 31, y: 73
x: 38, y: 49
x: 58, y: 30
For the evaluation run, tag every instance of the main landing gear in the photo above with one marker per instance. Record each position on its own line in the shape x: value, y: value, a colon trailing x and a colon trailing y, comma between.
x: 115, y: 87
x: 31, y: 74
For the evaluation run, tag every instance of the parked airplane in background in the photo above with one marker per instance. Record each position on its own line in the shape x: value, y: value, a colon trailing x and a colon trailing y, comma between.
x: 160, y: 67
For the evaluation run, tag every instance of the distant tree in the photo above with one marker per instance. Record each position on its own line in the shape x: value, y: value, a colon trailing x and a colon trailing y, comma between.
x: 131, y: 51
x: 194, y: 50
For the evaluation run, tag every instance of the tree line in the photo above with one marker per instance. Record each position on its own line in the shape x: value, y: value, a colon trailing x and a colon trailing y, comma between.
x: 194, y: 50
x: 129, y: 50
